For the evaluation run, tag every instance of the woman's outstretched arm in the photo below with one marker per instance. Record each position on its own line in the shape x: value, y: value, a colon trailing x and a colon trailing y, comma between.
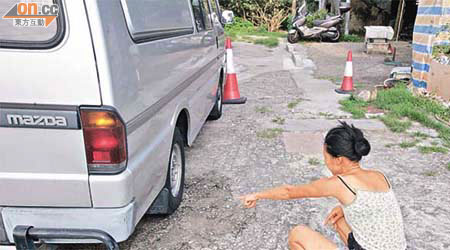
x: 325, y: 187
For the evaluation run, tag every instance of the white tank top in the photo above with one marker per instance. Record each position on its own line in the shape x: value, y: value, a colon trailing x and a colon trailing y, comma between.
x: 376, y: 219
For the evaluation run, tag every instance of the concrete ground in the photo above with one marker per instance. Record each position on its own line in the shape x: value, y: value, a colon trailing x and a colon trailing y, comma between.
x: 276, y: 139
x: 369, y: 70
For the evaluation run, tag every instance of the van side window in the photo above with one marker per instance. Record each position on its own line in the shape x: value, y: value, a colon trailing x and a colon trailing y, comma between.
x: 201, y: 15
x: 198, y: 15
x: 152, y: 20
x: 215, y: 11
x: 207, y: 15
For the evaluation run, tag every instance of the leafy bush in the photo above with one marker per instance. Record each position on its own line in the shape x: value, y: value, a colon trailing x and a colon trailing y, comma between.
x: 352, y: 38
x: 317, y: 15
x: 287, y: 24
x: 240, y: 25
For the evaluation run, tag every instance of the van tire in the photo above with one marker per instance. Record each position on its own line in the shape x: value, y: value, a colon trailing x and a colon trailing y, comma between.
x: 174, y: 200
x: 216, y: 112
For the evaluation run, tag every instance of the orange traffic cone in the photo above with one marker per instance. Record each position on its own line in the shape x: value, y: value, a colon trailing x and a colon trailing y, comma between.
x: 231, y: 92
x: 347, y: 83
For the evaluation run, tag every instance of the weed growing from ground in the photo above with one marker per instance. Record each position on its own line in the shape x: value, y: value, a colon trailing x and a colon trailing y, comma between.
x: 394, y: 124
x: 270, y: 42
x: 269, y: 133
x: 263, y: 110
x: 408, y: 144
x: 355, y: 106
x: 401, y: 103
x: 430, y: 173
x: 420, y: 135
x: 314, y: 161
x: 294, y: 103
x: 432, y: 149
x: 278, y: 120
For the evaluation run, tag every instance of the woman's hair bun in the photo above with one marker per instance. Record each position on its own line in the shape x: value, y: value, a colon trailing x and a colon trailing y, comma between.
x: 348, y: 141
x: 362, y: 146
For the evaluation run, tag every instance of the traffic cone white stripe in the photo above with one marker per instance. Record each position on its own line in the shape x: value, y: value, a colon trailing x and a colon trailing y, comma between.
x: 230, y: 64
x: 348, y: 69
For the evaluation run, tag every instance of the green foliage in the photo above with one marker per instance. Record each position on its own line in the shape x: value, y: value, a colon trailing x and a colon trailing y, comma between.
x: 441, y: 50
x: 278, y: 120
x: 432, y: 149
x: 317, y: 15
x: 394, y: 124
x: 419, y: 134
x: 243, y: 30
x: 401, y: 103
x: 287, y: 23
x: 270, y: 133
x: 430, y: 173
x: 352, y: 38
x: 294, y: 103
x: 270, y: 42
x: 267, y: 13
x: 314, y: 161
x: 263, y: 110
x: 355, y: 106
x: 407, y: 144
x: 240, y: 25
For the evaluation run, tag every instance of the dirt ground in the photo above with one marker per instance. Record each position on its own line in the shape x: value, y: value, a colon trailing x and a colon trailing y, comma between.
x: 370, y: 69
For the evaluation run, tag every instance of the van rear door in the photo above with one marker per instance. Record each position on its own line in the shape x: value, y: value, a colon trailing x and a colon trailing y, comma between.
x: 46, y: 74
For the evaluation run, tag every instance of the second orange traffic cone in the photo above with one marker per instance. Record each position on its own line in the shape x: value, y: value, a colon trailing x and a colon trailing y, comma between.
x: 347, y: 83
x: 231, y: 91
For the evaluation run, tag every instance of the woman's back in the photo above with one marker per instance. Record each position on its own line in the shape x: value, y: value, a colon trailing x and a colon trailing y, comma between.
x: 374, y: 214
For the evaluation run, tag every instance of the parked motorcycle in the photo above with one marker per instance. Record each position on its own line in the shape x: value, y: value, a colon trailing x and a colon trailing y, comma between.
x: 328, y: 29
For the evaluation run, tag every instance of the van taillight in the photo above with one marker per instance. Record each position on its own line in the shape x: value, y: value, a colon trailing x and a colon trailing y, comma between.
x: 105, y: 141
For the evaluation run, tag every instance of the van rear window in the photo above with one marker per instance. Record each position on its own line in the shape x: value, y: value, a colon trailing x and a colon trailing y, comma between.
x: 30, y: 23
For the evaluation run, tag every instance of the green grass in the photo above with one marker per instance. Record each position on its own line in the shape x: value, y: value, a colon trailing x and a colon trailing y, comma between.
x: 314, y: 161
x: 352, y: 38
x: 269, y: 133
x: 401, y: 104
x: 294, y: 103
x: 270, y: 42
x: 278, y: 120
x: 420, y: 135
x: 395, y: 124
x: 390, y: 145
x: 430, y: 173
x: 448, y: 166
x: 432, y: 149
x: 244, y: 31
x: 409, y: 144
x: 263, y: 110
x: 355, y: 106
x: 434, y: 143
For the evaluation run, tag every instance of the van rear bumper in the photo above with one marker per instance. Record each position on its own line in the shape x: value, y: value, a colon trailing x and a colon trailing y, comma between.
x: 117, y: 222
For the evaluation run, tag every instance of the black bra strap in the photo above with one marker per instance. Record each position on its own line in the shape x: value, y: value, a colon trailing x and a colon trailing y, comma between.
x: 351, y: 190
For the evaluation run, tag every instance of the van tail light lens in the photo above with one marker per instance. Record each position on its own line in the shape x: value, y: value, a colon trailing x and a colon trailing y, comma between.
x: 104, y: 140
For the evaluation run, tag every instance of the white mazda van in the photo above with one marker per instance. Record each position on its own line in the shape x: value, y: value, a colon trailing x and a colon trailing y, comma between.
x: 98, y: 99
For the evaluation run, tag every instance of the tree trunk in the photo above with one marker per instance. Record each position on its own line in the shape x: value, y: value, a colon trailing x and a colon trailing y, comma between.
x: 322, y: 4
x: 294, y: 7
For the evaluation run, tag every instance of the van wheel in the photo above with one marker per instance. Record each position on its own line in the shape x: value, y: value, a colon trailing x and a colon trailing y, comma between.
x: 216, y: 112
x: 175, y: 173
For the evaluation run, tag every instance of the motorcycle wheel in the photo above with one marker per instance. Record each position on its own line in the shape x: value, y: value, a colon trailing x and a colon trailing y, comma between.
x: 293, y: 37
x: 337, y: 37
